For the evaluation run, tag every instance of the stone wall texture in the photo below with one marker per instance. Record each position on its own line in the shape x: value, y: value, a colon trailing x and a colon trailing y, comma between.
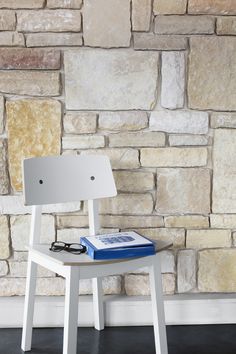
x: 152, y: 85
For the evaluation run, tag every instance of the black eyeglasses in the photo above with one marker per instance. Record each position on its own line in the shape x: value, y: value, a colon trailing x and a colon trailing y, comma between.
x: 75, y: 248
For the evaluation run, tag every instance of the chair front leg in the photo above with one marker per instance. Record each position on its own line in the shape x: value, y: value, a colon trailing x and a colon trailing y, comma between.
x: 71, y: 311
x: 29, y: 306
x: 98, y: 306
x: 158, y: 306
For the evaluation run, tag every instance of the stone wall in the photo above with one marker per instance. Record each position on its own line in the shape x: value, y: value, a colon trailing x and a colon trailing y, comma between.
x: 151, y: 84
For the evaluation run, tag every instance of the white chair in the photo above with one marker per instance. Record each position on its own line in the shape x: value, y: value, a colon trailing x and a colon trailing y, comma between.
x: 49, y: 180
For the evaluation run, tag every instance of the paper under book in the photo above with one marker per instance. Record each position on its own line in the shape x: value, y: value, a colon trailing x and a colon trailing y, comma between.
x: 118, y: 245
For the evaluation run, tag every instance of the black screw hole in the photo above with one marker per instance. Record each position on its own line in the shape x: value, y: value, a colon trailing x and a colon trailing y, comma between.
x: 92, y: 178
x: 40, y: 181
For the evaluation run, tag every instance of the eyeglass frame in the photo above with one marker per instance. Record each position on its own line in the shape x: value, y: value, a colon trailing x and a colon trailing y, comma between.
x: 66, y: 247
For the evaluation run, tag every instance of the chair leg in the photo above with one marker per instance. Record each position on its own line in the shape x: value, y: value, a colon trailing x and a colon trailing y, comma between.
x: 98, y: 305
x: 71, y: 311
x: 29, y: 306
x: 158, y: 306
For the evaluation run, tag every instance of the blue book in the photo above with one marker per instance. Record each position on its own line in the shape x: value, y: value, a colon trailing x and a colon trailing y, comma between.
x: 118, y: 245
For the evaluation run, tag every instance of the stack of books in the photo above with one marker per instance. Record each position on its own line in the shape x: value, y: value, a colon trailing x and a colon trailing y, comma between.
x: 118, y: 245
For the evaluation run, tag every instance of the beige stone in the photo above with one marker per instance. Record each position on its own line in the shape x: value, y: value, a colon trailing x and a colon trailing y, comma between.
x: 187, y: 221
x: 19, y: 256
x: 173, y: 157
x: 184, y: 25
x: 214, y: 7
x: 131, y: 77
x: 183, y: 191
x: 234, y: 238
x: 80, y: 122
x: 226, y: 25
x: 176, y: 236
x: 4, y: 238
x: 137, y: 139
x: 19, y: 270
x: 65, y: 4
x: 119, y: 158
x: 150, y: 41
x: 69, y: 221
x: 217, y: 270
x: 127, y: 181
x: 223, y: 221
x: 224, y: 173
x: 20, y: 229
x: 141, y: 15
x: 223, y: 120
x: 208, y: 238
x: 186, y: 271
x: 107, y: 28
x: 74, y: 234
x: 53, y: 39
x: 8, y: 39
x: 30, y: 83
x: 34, y: 129
x: 83, y: 142
x: 140, y: 204
x: 4, y: 182
x: 3, y: 268
x: 169, y: 7
x: 138, y: 284
x: 7, y: 20
x: 214, y: 58
x: 49, y: 21
x: 189, y: 140
x: 120, y: 121
x: 22, y: 4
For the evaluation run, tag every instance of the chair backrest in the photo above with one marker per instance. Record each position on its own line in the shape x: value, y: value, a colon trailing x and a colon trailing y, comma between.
x: 68, y: 178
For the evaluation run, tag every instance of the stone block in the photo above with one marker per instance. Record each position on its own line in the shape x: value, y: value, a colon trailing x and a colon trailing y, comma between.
x: 189, y: 140
x: 120, y: 158
x: 4, y: 238
x: 187, y: 221
x: 226, y: 25
x: 208, y: 238
x: 214, y: 58
x: 173, y: 157
x: 176, y: 236
x: 49, y: 21
x: 213, y: 7
x: 24, y: 58
x: 64, y: 4
x: 80, y: 122
x: 30, y: 83
x: 169, y: 7
x: 217, y: 270
x: 137, y: 139
x: 109, y: 28
x: 131, y: 221
x: 223, y: 221
x: 3, y: 268
x: 22, y: 4
x: 53, y: 39
x: 34, y: 129
x: 127, y: 181
x: 14, y: 204
x: 140, y: 204
x: 138, y: 284
x: 119, y: 121
x: 141, y: 15
x: 173, y: 80
x: 223, y: 120
x: 7, y: 20
x: 224, y: 172
x: 184, y: 24
x: 83, y: 142
x: 20, y: 229
x: 183, y: 191
x: 186, y: 271
x: 188, y: 122
x: 1, y: 114
x: 167, y: 262
x: 73, y: 234
x: 4, y: 182
x: 19, y: 270
x: 13, y: 39
x: 130, y: 76
x: 150, y: 41
x: 72, y: 221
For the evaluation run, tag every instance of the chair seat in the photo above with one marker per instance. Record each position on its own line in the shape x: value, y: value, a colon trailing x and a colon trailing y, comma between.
x: 66, y: 258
